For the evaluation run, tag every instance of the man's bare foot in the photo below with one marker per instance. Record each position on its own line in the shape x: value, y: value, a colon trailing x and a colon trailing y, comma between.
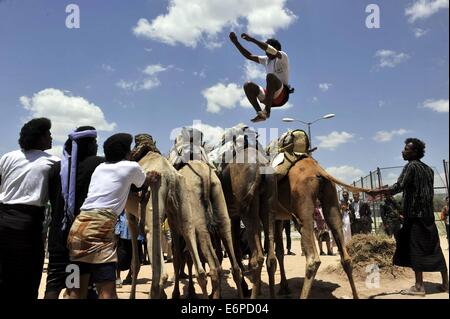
x: 260, y: 117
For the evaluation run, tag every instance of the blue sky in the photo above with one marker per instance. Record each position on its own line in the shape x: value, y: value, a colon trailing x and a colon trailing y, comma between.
x: 122, y: 73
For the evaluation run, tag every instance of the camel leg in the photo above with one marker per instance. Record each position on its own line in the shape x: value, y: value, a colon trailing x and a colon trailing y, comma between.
x: 224, y: 229
x: 333, y: 217
x: 268, y: 199
x: 135, y: 264
x: 188, y: 231
x: 254, y: 241
x: 213, y: 262
x: 191, y: 288
x: 284, y: 287
x: 191, y: 244
x: 304, y: 211
x: 153, y: 222
x: 177, y: 256
x: 235, y: 234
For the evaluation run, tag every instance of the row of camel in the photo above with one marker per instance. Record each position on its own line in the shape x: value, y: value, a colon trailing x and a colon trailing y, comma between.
x: 204, y: 209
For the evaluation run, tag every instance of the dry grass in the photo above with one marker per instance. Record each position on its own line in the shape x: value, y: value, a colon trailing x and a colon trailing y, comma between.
x: 368, y: 250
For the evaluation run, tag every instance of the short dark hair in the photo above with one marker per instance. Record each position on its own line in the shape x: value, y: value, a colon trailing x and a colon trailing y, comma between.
x: 418, y: 145
x: 117, y: 147
x: 32, y: 131
x: 85, y: 145
x: 275, y: 43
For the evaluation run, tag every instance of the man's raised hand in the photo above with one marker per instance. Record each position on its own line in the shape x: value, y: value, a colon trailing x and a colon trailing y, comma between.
x: 233, y: 37
x: 246, y: 37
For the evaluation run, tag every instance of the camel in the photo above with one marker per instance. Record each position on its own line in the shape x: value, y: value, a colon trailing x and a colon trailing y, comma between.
x: 249, y: 196
x: 306, y: 182
x: 210, y: 216
x: 170, y: 199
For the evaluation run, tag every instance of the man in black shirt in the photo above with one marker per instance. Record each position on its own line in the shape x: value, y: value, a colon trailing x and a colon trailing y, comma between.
x: 87, y: 161
x: 418, y: 245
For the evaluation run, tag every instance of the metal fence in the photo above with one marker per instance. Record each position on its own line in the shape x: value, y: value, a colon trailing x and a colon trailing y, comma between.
x: 387, y: 176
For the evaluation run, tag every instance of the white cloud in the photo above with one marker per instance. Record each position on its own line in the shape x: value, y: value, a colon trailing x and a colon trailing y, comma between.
x: 389, y: 58
x: 418, y: 32
x: 229, y: 96
x: 127, y: 85
x: 254, y: 71
x: 149, y: 84
x: 381, y: 103
x: 190, y: 22
x: 325, y: 86
x: 422, y: 9
x: 201, y: 74
x: 334, y: 139
x: 287, y: 106
x: 440, y: 106
x: 65, y: 111
x: 386, y: 136
x: 211, y: 134
x: 150, y: 80
x: 347, y: 174
x: 155, y: 69
x: 315, y: 99
x: 108, y: 68
x: 211, y: 45
x: 223, y: 96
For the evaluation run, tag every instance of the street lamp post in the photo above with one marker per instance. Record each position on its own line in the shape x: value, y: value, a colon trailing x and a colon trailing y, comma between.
x: 325, y: 117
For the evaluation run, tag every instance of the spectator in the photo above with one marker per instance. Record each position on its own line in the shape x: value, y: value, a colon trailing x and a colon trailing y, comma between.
x: 24, y: 176
x: 444, y: 217
x: 321, y: 230
x: 125, y: 249
x: 166, y: 239
x: 287, y: 229
x: 418, y: 245
x: 360, y: 216
x: 346, y: 226
x: 345, y: 211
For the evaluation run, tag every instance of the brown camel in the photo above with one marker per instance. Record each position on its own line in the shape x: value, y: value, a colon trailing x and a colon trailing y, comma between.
x: 250, y: 195
x: 306, y: 182
x: 211, y: 220
x: 170, y: 199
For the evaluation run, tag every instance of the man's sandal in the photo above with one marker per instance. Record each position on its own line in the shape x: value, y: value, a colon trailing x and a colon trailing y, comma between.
x: 413, y: 291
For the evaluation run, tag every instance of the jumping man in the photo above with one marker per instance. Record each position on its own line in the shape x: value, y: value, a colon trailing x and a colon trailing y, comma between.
x: 276, y: 62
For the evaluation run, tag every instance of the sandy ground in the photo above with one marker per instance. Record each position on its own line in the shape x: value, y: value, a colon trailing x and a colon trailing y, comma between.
x: 327, y: 285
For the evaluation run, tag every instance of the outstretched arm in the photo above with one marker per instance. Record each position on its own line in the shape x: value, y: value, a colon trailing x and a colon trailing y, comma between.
x: 243, y: 50
x: 262, y: 45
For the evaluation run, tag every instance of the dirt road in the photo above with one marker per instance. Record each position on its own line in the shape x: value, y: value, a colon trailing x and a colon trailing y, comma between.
x: 327, y: 285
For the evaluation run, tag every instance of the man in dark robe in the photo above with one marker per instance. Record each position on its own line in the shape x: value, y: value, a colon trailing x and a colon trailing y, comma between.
x: 418, y: 245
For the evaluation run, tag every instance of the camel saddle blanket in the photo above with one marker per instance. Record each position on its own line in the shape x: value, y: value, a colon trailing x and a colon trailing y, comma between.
x: 290, y: 148
x: 91, y: 238
x: 234, y: 140
x: 188, y: 146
